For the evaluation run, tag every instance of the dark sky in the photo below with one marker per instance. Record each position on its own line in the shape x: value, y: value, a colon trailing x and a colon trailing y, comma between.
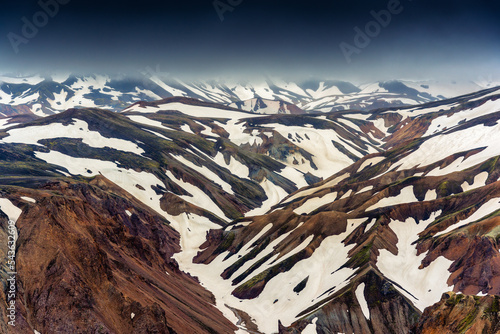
x: 292, y: 39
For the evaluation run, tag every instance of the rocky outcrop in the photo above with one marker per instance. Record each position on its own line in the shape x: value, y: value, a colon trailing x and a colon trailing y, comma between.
x: 458, y: 313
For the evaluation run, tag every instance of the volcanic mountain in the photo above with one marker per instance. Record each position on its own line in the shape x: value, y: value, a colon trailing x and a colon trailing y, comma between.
x: 346, y: 221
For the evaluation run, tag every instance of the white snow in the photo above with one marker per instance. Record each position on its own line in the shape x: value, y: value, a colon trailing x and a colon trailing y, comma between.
x: 326, y: 259
x: 425, y: 286
x: 372, y: 161
x: 274, y: 195
x: 347, y: 194
x: 186, y: 128
x: 237, y: 134
x: 196, y: 111
x: 3, y: 123
x: 485, y: 209
x: 31, y: 80
x: 268, y: 250
x: 452, y: 167
x: 313, y: 203
x: 125, y: 178
x: 158, y: 134
x: 146, y: 121
x: 360, y: 296
x: 435, y: 149
x: 171, y: 90
x: 479, y: 181
x: 234, y: 166
x: 12, y: 211
x: 326, y: 156
x: 439, y: 123
x: 295, y: 176
x: 430, y: 195
x: 311, y: 328
x: 367, y: 188
x: 28, y: 199
x: 370, y: 224
x: 405, y: 196
x: 78, y: 129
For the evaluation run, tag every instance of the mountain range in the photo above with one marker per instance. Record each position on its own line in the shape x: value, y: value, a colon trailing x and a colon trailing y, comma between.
x: 46, y: 95
x: 223, y: 209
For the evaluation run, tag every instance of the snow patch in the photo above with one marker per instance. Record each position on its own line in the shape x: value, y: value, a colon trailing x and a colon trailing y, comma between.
x: 430, y: 195
x: 370, y: 224
x: 12, y: 211
x: 485, y: 209
x: 234, y: 166
x: 311, y: 328
x: 365, y: 189
x: 406, y: 196
x: 274, y: 195
x: 313, y: 203
x: 360, y: 296
x: 425, y: 286
x: 28, y: 199
x: 371, y: 161
x: 479, y: 181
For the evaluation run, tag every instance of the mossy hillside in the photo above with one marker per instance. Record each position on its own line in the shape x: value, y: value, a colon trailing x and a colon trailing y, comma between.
x: 468, y: 320
x: 360, y: 257
x: 19, y: 160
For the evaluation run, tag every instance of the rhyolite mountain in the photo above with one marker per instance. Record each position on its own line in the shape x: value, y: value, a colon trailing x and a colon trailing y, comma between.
x: 46, y: 95
x: 188, y: 216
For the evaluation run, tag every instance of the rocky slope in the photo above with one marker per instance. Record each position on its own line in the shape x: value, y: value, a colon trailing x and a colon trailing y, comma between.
x: 458, y: 313
x: 90, y: 258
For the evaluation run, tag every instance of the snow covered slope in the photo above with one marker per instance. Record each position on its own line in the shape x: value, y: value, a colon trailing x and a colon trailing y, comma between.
x: 364, y: 216
x: 404, y: 226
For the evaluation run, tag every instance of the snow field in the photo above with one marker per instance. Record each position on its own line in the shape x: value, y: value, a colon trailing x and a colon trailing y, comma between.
x: 423, y: 287
x: 485, y: 209
x: 79, y: 129
x: 313, y: 203
x: 405, y: 196
x: 432, y: 150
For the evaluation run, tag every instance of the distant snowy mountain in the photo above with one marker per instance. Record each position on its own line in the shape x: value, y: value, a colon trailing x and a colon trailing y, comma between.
x: 46, y: 96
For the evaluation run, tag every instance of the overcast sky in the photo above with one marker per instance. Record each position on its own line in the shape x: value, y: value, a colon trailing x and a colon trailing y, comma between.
x: 291, y: 39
